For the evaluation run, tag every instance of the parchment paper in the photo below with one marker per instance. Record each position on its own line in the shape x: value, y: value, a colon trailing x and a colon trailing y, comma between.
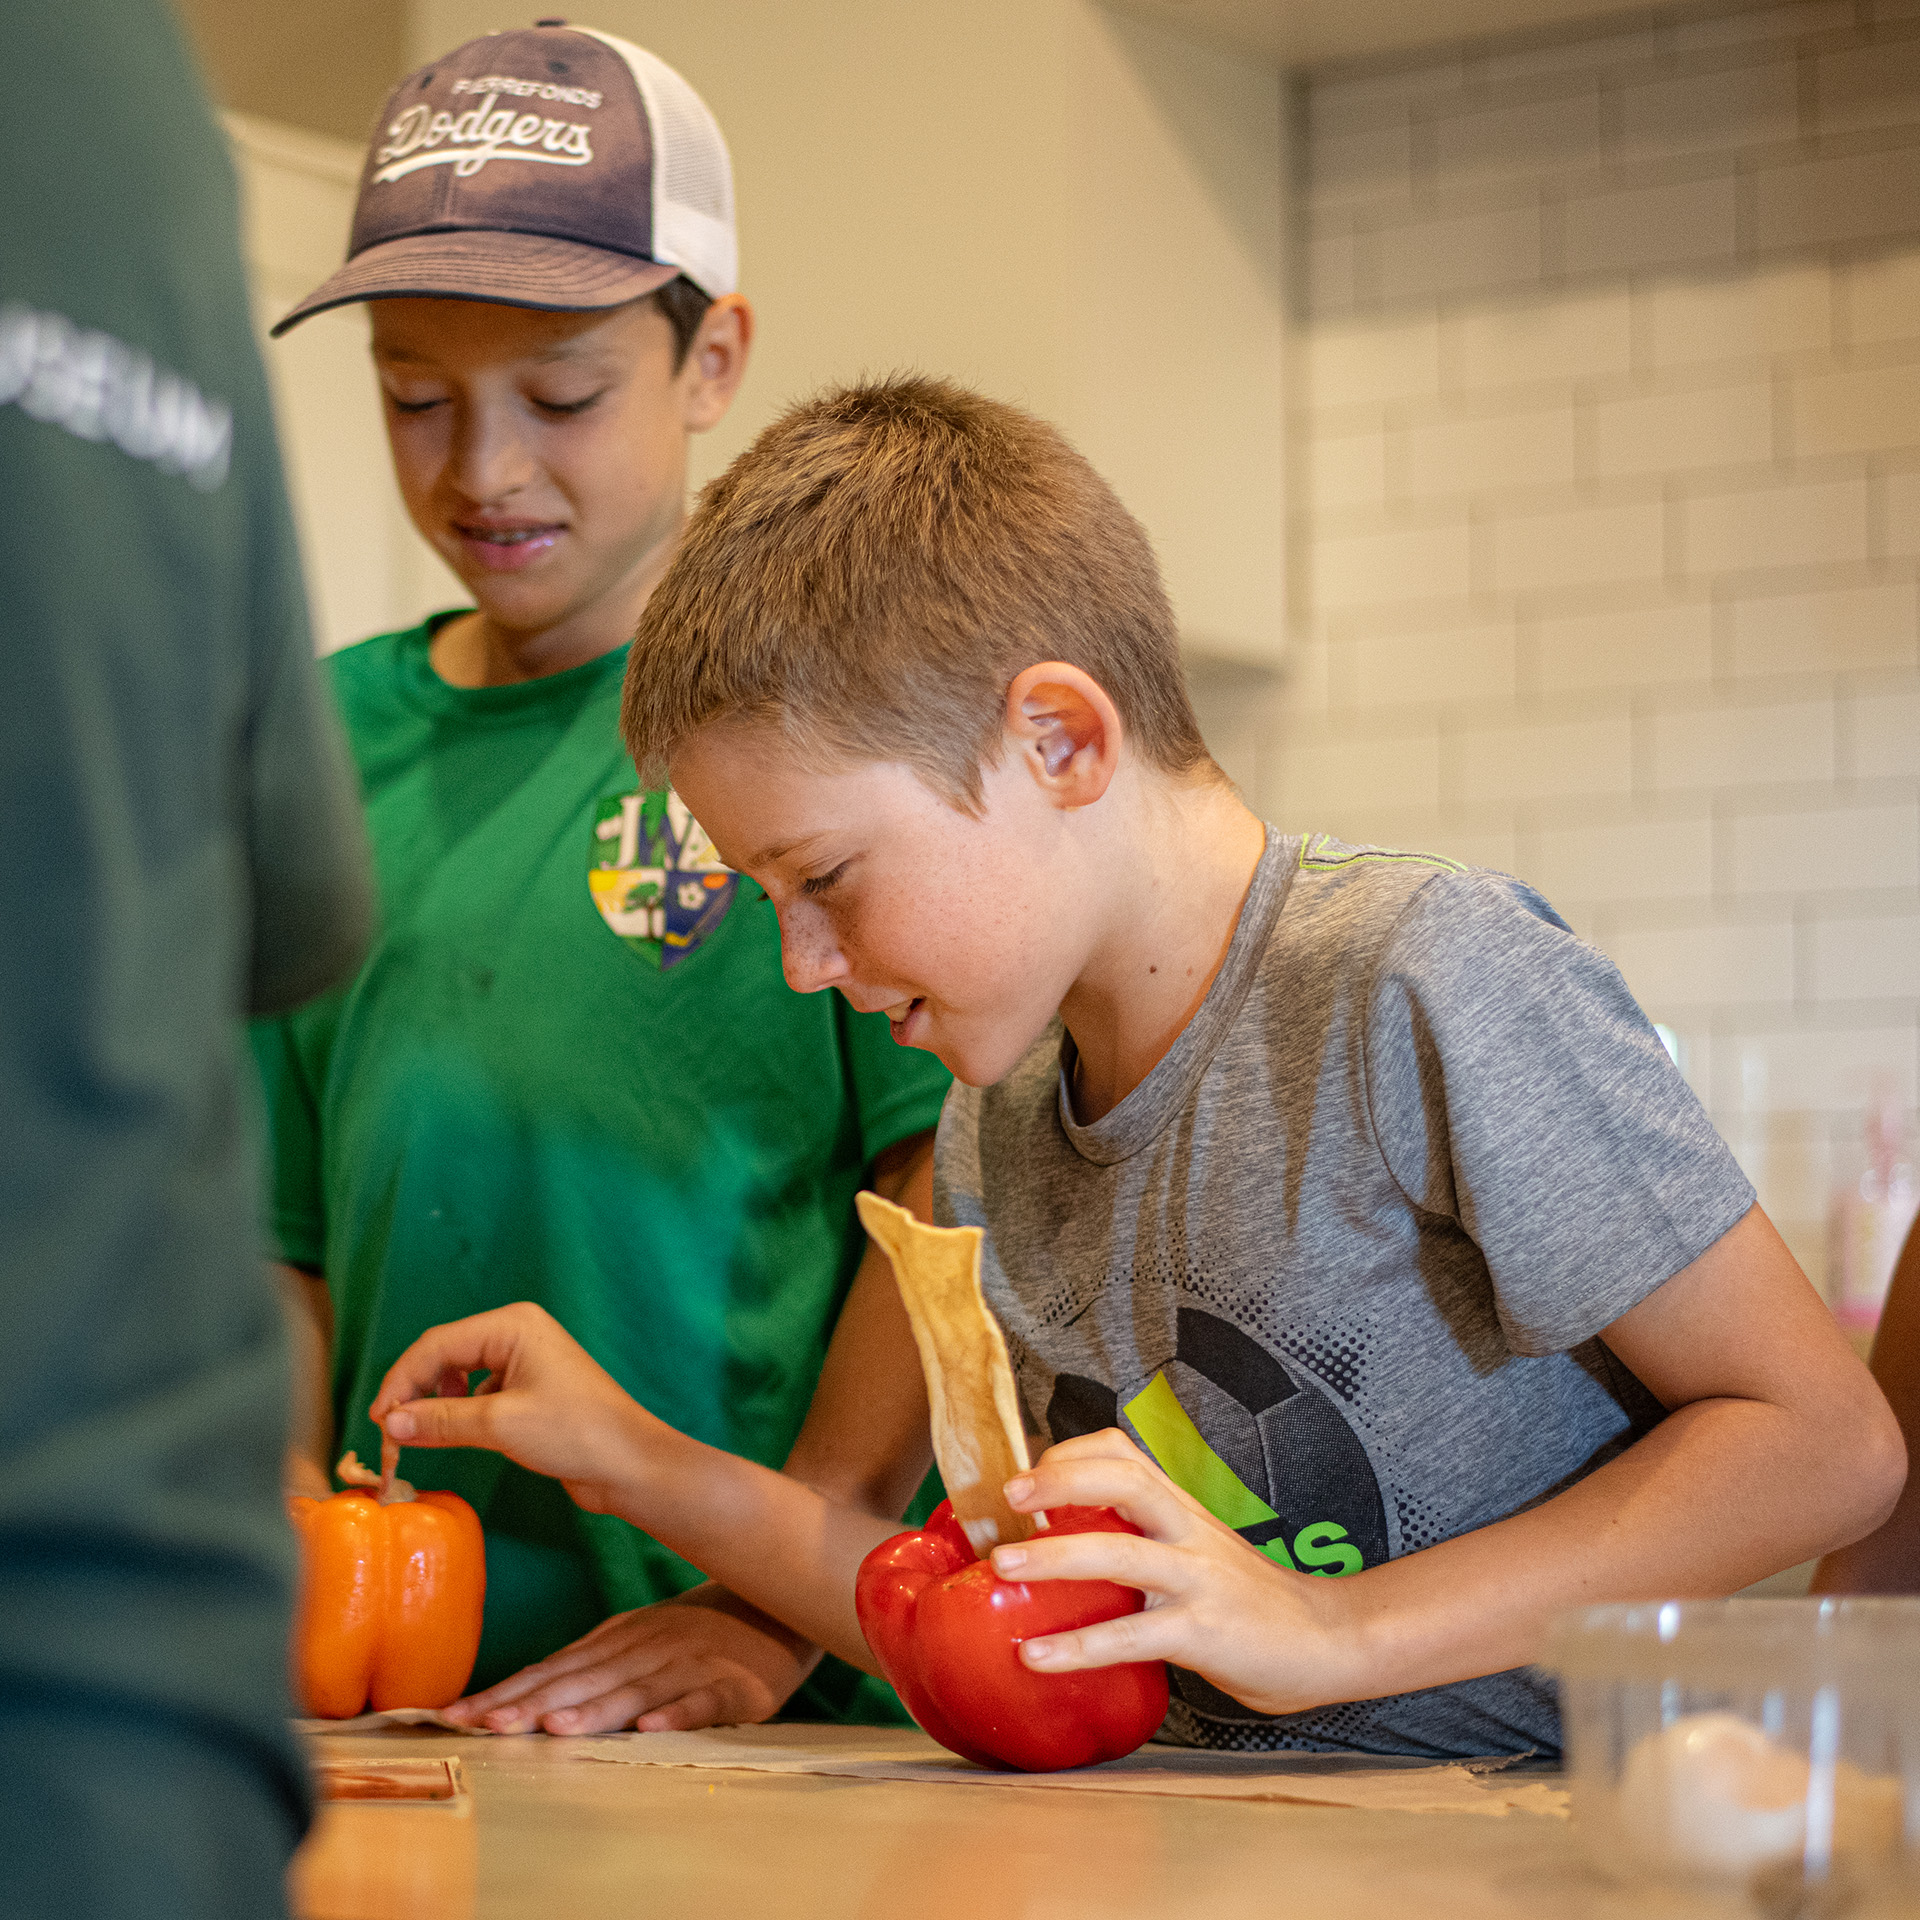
x: 393, y: 1717
x: 1299, y: 1779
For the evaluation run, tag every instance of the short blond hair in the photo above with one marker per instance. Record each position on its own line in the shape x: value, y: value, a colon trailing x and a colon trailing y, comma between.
x: 874, y: 571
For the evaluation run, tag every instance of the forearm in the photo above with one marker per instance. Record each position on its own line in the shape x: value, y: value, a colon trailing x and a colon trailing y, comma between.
x: 773, y: 1541
x: 1721, y: 1493
x: 309, y: 1309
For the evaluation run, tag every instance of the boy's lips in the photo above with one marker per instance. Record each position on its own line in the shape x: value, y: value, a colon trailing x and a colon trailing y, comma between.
x: 908, y: 1021
x: 507, y: 547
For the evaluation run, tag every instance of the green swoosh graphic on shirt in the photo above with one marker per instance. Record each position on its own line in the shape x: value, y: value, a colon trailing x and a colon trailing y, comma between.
x: 1173, y: 1440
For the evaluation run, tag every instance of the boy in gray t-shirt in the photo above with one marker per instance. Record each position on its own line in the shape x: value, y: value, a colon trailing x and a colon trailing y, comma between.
x: 1352, y: 1234
x: 1339, y: 1261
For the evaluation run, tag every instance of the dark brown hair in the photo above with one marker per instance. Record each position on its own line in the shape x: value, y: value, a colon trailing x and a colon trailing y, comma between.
x: 685, y: 307
x: 872, y: 573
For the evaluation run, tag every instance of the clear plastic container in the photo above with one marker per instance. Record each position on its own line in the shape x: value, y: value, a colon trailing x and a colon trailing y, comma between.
x: 1764, y: 1748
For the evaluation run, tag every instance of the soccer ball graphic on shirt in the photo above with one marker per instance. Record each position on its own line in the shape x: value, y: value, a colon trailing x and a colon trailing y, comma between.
x: 1259, y: 1444
x: 656, y: 877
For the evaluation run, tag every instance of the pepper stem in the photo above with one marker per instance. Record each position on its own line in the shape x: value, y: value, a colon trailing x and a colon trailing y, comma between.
x: 391, y: 1487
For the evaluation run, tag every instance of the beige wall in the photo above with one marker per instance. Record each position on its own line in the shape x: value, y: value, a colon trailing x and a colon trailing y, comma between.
x: 1068, y: 209
x: 367, y: 570
x: 1613, y: 533
x: 320, y: 65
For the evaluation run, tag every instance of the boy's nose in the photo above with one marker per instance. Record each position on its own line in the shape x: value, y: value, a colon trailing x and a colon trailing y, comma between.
x: 490, y: 462
x: 810, y: 956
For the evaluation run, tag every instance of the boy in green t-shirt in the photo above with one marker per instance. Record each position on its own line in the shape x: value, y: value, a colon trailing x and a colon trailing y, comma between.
x: 571, y: 1069
x: 1351, y: 1232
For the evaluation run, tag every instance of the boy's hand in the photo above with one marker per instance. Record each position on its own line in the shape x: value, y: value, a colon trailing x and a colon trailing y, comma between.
x: 702, y: 1659
x: 545, y: 1403
x: 1268, y: 1636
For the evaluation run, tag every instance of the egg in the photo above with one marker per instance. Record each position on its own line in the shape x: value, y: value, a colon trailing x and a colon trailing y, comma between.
x: 1711, y: 1794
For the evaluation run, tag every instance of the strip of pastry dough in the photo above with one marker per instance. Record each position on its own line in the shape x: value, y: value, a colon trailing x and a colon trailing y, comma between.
x: 978, y: 1439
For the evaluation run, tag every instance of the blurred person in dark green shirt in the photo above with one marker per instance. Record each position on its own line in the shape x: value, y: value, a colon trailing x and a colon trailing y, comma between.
x: 182, y: 847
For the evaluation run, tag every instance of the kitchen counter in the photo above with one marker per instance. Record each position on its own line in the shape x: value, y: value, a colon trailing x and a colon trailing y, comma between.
x: 551, y: 1834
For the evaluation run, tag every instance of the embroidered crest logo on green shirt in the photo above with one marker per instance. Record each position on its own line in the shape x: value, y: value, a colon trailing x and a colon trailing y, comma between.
x: 657, y: 879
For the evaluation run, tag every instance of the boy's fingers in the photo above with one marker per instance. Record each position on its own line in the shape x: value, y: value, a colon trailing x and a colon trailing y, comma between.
x: 582, y: 1687
x: 1109, y: 1443
x: 703, y: 1707
x: 1130, y: 1486
x: 443, y: 1423
x: 1153, y: 1635
x: 1121, y: 1557
x: 484, y: 1340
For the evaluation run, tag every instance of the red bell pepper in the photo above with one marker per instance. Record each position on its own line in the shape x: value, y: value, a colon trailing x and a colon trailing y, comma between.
x: 947, y: 1629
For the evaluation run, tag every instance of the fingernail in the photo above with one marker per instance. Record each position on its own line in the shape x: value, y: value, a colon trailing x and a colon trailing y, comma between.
x: 399, y: 1425
x: 1009, y: 1559
x: 1039, y: 1652
x: 1018, y: 1488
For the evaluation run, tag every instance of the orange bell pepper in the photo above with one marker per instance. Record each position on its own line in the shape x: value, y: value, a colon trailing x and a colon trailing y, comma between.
x: 391, y: 1590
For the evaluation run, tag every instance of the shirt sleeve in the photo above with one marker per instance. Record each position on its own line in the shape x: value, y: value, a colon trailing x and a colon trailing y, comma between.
x: 296, y: 1224
x: 312, y: 892
x: 898, y: 1091
x: 1517, y: 1089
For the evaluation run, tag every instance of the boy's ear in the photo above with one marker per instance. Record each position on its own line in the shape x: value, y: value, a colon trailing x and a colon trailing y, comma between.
x: 717, y: 360
x: 1065, y: 726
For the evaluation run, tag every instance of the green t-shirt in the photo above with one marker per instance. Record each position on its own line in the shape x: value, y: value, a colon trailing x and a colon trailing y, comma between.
x: 571, y: 1072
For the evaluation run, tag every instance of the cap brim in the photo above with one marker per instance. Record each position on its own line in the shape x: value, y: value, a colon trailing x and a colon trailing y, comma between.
x: 509, y: 269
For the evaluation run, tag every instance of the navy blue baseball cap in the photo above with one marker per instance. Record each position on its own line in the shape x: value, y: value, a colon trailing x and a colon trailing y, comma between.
x: 553, y: 166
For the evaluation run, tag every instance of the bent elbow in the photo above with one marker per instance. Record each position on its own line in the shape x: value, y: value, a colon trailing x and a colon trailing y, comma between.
x: 1874, y: 1473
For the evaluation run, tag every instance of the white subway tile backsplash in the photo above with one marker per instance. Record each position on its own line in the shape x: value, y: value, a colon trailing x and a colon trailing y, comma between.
x: 1839, y: 629
x: 1523, y: 137
x: 1561, y: 759
x: 1718, y: 966
x: 1613, y: 537
x: 1356, y: 362
x: 1651, y: 646
x: 1447, y: 667
x: 1491, y: 346
x: 1684, y: 223
x: 1900, y: 515
x: 1873, y: 85
x: 1833, y: 1069
x: 1581, y: 546
x: 1763, y: 23
x: 1835, y: 199
x: 1824, y: 850
x: 1884, y: 735
x: 1629, y: 860
x: 1855, y: 410
x: 1745, y: 105
x: 1725, y: 747
x: 1347, y: 470
x: 1399, y: 564
x: 1882, y: 298
x: 1673, y: 432
x: 1424, y: 258
x: 1348, y: 775
x: 1438, y: 459
x: 1727, y: 318
x: 1865, y: 959
x: 1370, y: 162
x: 1776, y: 526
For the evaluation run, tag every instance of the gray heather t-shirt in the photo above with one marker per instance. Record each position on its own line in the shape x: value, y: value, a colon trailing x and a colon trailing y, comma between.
x: 1339, y: 1261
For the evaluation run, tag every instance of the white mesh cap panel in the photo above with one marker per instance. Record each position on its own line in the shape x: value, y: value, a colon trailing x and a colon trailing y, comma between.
x: 692, y: 173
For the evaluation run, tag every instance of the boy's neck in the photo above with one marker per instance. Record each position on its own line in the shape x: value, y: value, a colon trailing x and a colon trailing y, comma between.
x: 1179, y: 878
x: 479, y: 649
